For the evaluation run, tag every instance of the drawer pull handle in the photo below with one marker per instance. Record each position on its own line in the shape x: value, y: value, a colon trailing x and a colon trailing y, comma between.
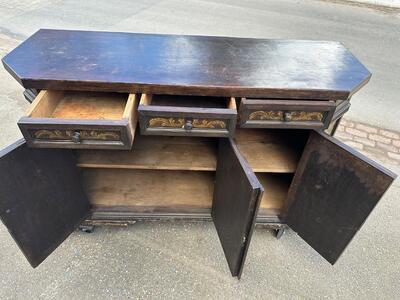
x: 76, y: 137
x: 188, y: 125
x: 287, y: 116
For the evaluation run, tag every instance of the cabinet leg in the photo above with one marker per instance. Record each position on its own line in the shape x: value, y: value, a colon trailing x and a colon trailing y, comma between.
x: 337, y: 123
x: 30, y: 94
x: 86, y: 228
x: 279, y: 232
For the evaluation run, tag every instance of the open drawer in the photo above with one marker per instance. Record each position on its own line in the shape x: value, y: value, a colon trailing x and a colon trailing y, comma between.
x: 70, y: 119
x: 274, y: 113
x: 187, y: 115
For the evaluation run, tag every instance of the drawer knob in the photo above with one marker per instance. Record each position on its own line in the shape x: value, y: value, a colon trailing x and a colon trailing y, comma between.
x: 287, y: 116
x: 76, y: 137
x: 188, y: 125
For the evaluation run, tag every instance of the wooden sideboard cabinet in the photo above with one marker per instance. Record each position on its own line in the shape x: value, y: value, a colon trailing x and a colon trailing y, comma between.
x: 231, y: 129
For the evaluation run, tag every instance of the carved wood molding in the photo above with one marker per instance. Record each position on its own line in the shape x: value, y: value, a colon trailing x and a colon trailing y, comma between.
x: 180, y: 122
x: 68, y: 134
x: 211, y: 124
x: 292, y: 116
x: 166, y: 122
x: 306, y: 116
x: 266, y: 115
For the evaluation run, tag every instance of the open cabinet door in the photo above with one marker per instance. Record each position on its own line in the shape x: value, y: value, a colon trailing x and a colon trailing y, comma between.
x: 333, y: 191
x: 41, y: 199
x: 237, y: 196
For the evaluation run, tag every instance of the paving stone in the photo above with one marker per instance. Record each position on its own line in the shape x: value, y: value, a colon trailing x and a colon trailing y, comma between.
x: 367, y: 128
x: 365, y: 141
x: 379, y: 138
x: 389, y: 134
x: 357, y: 132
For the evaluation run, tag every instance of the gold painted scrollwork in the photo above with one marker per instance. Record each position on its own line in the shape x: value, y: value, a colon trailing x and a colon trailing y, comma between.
x: 180, y: 122
x: 100, y: 135
x: 68, y: 134
x: 210, y: 124
x: 166, y: 122
x: 292, y: 115
x: 266, y: 115
x: 306, y: 116
x: 51, y: 134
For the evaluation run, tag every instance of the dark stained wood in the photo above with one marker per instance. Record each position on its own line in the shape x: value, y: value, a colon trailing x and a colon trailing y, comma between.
x: 333, y: 192
x: 30, y: 94
x: 42, y: 200
x: 191, y: 65
x: 207, y: 118
x: 237, y: 197
x: 342, y: 106
x: 271, y: 113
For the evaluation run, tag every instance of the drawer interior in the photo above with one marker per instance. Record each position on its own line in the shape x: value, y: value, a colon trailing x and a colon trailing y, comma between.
x: 79, y: 105
x: 188, y: 101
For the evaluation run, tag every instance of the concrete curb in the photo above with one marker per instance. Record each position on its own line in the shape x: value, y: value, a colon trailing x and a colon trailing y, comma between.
x: 389, y: 3
x: 383, y: 5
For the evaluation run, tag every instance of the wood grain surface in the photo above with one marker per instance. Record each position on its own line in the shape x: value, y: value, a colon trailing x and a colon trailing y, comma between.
x: 182, y: 64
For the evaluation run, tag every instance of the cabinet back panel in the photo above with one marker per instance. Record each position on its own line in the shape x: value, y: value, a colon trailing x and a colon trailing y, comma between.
x: 276, y: 151
x: 152, y: 191
x: 189, y: 101
x: 276, y: 187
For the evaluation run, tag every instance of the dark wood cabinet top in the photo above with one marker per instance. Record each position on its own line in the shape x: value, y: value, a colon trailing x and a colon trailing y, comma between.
x: 178, y: 64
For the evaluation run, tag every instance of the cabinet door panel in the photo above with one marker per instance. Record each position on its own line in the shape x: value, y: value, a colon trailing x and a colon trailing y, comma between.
x: 41, y: 199
x: 237, y: 196
x: 334, y: 190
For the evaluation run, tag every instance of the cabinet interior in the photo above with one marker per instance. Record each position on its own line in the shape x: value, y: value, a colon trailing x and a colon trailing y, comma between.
x: 176, y: 175
x: 79, y: 105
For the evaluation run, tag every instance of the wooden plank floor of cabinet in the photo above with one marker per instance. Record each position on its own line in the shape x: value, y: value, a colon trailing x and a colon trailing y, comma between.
x: 149, y: 190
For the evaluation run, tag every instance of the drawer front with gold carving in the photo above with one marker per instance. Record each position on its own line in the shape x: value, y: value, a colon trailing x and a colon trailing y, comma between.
x: 187, y: 115
x: 80, y: 120
x: 265, y: 113
x: 75, y: 135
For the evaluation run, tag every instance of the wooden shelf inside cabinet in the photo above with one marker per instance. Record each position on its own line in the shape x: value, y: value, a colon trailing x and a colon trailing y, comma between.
x: 148, y: 191
x: 160, y: 191
x: 265, y: 150
x: 158, y: 153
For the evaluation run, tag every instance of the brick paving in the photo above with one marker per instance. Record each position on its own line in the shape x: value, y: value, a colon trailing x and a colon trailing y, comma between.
x: 381, y: 143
